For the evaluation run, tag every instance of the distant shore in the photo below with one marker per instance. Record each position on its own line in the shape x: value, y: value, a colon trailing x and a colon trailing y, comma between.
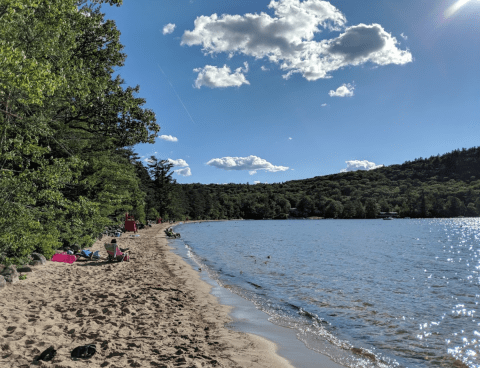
x: 153, y: 311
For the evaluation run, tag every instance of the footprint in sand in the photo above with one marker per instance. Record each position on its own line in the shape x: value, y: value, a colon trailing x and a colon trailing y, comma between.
x: 124, y: 332
x: 93, y: 312
x: 11, y: 329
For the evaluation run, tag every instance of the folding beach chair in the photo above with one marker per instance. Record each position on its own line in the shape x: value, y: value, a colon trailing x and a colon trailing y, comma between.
x: 115, y: 254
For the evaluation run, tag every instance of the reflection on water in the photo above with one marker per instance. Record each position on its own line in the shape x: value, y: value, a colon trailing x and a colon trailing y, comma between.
x: 368, y: 293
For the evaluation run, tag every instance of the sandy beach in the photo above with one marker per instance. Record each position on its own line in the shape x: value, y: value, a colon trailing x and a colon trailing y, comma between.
x: 153, y: 311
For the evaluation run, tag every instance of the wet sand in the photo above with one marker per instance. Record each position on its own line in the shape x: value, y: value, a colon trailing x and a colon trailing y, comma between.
x: 153, y: 311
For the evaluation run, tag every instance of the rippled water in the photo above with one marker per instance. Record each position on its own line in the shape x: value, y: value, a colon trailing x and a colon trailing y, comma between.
x: 368, y: 293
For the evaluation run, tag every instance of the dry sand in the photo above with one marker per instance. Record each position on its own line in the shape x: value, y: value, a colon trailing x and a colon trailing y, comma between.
x: 153, y: 311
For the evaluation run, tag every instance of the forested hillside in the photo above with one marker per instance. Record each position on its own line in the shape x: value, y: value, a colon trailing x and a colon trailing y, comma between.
x: 440, y: 186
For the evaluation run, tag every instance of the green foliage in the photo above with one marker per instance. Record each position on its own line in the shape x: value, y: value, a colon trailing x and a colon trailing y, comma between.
x: 441, y: 186
x: 163, y: 186
x: 26, y: 65
x: 65, y: 121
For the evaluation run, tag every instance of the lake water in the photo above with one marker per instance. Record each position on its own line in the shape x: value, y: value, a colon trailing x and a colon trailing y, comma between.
x: 366, y: 293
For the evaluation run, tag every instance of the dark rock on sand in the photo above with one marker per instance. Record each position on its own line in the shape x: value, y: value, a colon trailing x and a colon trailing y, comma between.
x: 36, y: 263
x: 24, y: 269
x: 10, y: 274
x: 39, y: 257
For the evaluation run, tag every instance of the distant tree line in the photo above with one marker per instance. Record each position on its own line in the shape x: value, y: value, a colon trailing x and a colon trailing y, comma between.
x: 440, y: 186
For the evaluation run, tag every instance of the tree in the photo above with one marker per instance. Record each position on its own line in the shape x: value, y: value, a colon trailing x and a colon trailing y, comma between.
x: 306, y: 206
x: 383, y: 205
x: 454, y: 207
x: 334, y: 209
x: 477, y: 204
x: 359, y: 209
x: 28, y: 73
x: 163, y: 184
x: 348, y: 210
x: 371, y: 208
x: 472, y: 210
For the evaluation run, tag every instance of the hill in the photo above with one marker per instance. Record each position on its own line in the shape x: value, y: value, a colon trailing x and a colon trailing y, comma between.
x: 440, y: 186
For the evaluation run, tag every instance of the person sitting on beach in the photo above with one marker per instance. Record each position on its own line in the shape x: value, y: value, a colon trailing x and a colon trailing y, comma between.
x: 114, y: 241
x: 169, y: 232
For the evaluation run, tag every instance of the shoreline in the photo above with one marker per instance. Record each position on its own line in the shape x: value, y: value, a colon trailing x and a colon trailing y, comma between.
x: 152, y: 311
x: 247, y: 318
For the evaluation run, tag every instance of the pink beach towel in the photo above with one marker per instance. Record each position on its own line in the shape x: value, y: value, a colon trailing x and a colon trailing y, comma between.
x: 64, y: 257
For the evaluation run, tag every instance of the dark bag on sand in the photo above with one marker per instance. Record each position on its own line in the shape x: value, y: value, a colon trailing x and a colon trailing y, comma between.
x: 85, y: 352
x: 48, y: 354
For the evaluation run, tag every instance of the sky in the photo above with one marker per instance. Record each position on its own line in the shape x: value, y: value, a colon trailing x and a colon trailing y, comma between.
x: 267, y: 91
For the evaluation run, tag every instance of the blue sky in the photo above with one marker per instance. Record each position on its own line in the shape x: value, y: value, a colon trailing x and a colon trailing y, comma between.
x: 271, y: 91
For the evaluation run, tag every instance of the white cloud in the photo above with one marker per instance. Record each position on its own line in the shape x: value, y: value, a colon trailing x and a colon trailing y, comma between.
x: 290, y: 39
x: 252, y: 172
x: 290, y: 138
x: 178, y: 163
x: 345, y: 90
x: 148, y: 161
x: 355, y: 165
x: 323, y: 105
x: 404, y: 36
x: 264, y: 68
x: 214, y: 77
x: 257, y: 182
x: 184, y: 172
x: 168, y: 138
x: 250, y: 163
x: 168, y: 28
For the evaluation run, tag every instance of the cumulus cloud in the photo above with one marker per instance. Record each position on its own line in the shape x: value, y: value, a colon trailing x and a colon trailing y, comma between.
x: 213, y: 77
x: 257, y: 182
x: 168, y: 138
x: 290, y: 38
x: 253, y: 172
x: 345, y: 90
x: 178, y: 163
x: 355, y: 165
x: 168, y: 28
x: 324, y: 104
x: 184, y: 172
x: 290, y: 138
x: 250, y: 163
x: 264, y: 68
x: 404, y: 36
